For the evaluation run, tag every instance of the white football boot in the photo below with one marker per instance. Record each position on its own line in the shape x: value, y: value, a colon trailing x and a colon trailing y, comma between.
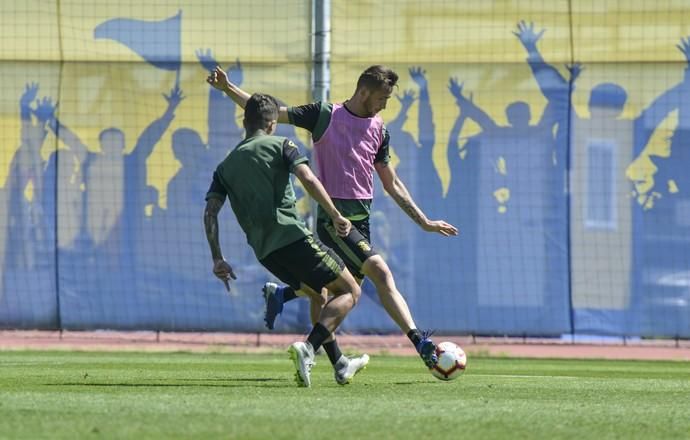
x: 302, y: 355
x: 345, y: 373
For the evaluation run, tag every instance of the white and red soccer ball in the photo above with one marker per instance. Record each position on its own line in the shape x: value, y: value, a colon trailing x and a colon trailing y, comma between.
x: 452, y: 361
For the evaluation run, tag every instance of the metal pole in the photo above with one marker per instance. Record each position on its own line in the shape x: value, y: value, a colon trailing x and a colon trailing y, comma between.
x: 321, y: 50
x: 568, y: 197
x: 321, y: 70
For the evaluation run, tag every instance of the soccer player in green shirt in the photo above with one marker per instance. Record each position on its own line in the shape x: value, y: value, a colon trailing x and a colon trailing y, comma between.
x: 255, y: 177
x: 351, y: 142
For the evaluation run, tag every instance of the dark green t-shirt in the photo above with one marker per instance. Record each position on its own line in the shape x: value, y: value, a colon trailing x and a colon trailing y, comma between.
x: 255, y: 177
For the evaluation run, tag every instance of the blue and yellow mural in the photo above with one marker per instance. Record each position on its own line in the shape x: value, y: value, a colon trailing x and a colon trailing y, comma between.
x: 552, y: 134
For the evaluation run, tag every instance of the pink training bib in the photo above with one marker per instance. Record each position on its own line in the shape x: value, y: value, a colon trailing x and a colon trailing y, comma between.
x: 345, y: 154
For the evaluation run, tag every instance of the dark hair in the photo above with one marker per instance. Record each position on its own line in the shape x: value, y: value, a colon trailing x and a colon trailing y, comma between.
x: 378, y: 77
x: 259, y: 111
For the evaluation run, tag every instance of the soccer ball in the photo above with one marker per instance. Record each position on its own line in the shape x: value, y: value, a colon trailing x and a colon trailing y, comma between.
x: 451, y: 361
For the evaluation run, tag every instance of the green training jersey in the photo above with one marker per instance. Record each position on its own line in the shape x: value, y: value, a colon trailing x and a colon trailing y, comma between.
x: 255, y: 177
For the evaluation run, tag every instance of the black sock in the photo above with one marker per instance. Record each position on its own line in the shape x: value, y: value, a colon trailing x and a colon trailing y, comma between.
x: 333, y: 351
x: 318, y: 334
x: 415, y: 336
x: 288, y: 294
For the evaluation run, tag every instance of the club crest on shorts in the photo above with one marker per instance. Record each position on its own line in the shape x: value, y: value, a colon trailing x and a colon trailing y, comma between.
x: 363, y: 245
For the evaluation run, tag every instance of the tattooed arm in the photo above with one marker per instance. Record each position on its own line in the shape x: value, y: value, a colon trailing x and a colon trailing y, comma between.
x: 221, y: 268
x: 396, y: 189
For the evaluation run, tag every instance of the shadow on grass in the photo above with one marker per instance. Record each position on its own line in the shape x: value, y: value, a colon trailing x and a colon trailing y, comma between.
x: 232, y: 383
x: 234, y: 379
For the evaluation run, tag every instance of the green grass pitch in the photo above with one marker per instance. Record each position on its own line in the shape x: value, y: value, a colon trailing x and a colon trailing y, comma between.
x: 76, y: 395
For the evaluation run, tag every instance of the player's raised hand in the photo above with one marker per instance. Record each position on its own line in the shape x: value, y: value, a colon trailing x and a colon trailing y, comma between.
x: 218, y: 79
x: 223, y: 271
x: 443, y: 228
x: 342, y: 225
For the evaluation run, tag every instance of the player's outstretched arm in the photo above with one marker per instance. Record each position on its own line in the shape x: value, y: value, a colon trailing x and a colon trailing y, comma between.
x: 396, y: 189
x: 221, y: 111
x: 218, y: 78
x: 221, y: 268
x: 316, y: 190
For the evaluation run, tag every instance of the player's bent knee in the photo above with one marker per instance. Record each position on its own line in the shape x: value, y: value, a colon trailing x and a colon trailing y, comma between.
x: 377, y: 270
x: 339, y: 286
x: 346, y: 284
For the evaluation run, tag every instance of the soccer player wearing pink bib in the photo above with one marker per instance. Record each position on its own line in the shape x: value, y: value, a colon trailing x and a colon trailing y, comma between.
x: 351, y: 142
